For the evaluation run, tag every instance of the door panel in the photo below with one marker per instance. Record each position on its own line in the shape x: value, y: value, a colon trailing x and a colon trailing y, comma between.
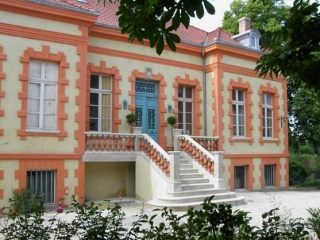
x: 147, y: 110
x: 240, y: 177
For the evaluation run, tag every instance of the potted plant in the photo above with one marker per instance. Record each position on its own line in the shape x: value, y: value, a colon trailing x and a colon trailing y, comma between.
x: 131, y: 118
x: 171, y: 120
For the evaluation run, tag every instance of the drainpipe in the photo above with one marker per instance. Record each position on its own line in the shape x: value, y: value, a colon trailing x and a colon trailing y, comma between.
x: 204, y: 84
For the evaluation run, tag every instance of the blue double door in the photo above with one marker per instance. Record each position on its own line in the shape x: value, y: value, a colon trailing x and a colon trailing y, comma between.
x: 147, y: 107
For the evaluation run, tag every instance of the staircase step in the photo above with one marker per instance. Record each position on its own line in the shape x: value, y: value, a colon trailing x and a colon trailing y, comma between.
x: 205, y: 191
x: 194, y: 181
x: 186, y: 166
x: 196, y: 186
x: 189, y: 170
x: 196, y: 198
x: 191, y: 175
x: 183, y: 206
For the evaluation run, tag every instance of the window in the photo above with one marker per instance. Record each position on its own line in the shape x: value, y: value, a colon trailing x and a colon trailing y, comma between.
x: 269, y: 175
x: 253, y: 40
x: 238, y: 110
x: 43, y: 183
x: 240, y: 173
x: 185, y: 109
x: 267, y: 117
x: 42, y: 95
x: 100, y: 103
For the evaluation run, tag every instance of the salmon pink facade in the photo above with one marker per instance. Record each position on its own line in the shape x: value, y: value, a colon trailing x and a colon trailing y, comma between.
x: 69, y: 78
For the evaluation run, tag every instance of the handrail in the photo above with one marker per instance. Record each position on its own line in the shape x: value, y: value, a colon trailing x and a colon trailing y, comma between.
x: 208, y: 143
x: 197, y: 152
x: 125, y: 142
x: 102, y: 141
x: 160, y: 157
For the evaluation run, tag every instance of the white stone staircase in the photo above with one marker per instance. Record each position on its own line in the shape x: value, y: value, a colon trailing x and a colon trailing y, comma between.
x: 195, y: 187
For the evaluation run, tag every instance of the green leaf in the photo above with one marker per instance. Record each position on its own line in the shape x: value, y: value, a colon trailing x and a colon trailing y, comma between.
x: 200, y: 11
x: 171, y: 43
x: 209, y: 7
x: 176, y: 20
x: 174, y: 37
x: 160, y: 45
x: 185, y: 19
x: 167, y: 16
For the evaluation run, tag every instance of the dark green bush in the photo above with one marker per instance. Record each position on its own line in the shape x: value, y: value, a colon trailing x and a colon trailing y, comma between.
x: 25, y: 201
x: 211, y: 222
x: 297, y: 173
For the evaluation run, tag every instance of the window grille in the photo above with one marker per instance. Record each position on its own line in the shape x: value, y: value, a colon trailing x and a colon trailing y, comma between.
x: 269, y: 176
x: 43, y: 183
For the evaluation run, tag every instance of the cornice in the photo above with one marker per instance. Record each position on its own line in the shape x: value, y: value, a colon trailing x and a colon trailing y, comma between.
x: 112, y: 33
x: 49, y: 12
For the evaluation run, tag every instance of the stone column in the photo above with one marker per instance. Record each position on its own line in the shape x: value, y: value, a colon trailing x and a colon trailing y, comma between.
x: 174, y: 182
x: 218, y: 170
x: 176, y: 133
x: 136, y: 131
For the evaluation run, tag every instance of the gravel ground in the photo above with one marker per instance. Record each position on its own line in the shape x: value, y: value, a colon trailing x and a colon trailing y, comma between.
x: 292, y: 203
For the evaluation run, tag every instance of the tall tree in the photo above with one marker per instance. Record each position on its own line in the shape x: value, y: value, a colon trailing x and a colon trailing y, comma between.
x: 294, y: 50
x: 266, y: 16
x: 304, y: 120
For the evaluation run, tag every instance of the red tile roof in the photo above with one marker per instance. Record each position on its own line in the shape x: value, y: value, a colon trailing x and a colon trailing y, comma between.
x: 107, y: 16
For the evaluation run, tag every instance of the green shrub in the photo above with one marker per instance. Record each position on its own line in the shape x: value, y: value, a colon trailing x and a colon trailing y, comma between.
x: 25, y: 201
x: 313, y: 222
x: 211, y: 222
x: 297, y: 173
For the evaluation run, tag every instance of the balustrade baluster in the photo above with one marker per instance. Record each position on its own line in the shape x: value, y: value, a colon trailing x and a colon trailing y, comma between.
x: 121, y: 139
x: 94, y: 142
x: 88, y: 139
x: 167, y: 171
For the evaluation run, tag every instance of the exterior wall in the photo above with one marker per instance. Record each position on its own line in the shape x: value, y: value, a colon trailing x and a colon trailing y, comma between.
x: 37, y: 35
x: 130, y: 65
x: 34, y: 23
x: 109, y: 180
x: 8, y: 181
x: 150, y: 183
x: 253, y: 151
x: 59, y: 36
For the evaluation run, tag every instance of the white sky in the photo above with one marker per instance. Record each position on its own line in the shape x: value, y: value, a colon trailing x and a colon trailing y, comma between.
x: 211, y: 22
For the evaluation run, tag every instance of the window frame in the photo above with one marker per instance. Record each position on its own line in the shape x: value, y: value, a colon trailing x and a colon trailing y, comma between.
x: 185, y: 100
x: 40, y: 180
x: 265, y: 117
x: 45, y: 54
x: 43, y: 82
x: 236, y: 116
x: 100, y: 91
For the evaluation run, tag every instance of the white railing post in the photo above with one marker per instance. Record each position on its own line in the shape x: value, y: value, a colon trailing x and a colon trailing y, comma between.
x: 174, y: 182
x: 136, y: 132
x: 218, y: 169
x: 176, y: 133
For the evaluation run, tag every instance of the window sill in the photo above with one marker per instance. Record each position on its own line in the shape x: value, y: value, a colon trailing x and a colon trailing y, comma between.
x: 241, y: 139
x: 40, y: 131
x: 269, y: 140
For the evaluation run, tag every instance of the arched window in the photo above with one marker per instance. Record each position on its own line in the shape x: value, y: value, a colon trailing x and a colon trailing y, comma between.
x: 253, y: 41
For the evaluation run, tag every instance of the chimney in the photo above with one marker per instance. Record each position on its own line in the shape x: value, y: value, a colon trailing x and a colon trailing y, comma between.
x: 244, y: 24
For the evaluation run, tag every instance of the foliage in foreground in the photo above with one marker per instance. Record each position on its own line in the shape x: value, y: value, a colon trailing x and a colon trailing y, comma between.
x: 157, y: 21
x: 212, y: 221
